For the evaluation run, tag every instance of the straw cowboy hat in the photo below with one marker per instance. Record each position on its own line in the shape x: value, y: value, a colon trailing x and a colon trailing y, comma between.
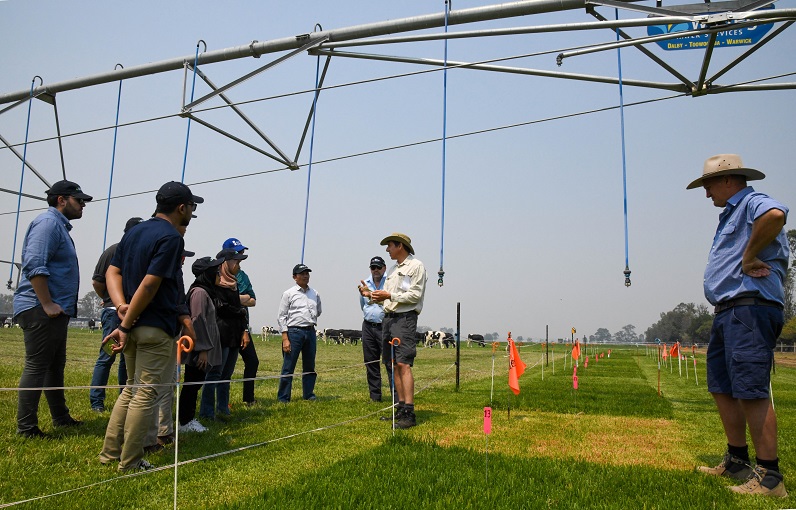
x: 399, y: 238
x: 726, y: 164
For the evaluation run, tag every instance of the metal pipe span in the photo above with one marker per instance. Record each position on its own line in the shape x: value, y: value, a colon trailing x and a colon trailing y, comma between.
x: 253, y: 49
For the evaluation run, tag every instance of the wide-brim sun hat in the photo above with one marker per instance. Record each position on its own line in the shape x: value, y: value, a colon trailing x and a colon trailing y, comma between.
x: 399, y: 238
x: 726, y: 164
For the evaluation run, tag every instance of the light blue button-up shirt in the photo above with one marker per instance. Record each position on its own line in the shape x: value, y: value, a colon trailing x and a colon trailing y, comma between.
x: 724, y: 278
x: 299, y: 307
x: 374, y: 312
x: 49, y: 251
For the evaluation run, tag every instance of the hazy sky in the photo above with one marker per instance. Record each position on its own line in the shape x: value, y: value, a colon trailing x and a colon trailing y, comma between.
x: 534, y: 231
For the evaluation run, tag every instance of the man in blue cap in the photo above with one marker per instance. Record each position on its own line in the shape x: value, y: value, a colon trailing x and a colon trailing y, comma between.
x: 43, y: 303
x: 247, y: 298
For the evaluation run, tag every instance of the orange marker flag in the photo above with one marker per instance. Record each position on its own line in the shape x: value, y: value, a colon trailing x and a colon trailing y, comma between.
x: 516, y: 367
x: 576, y: 350
x: 675, y: 350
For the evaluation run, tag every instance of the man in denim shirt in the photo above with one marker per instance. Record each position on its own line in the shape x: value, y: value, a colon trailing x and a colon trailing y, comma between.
x: 744, y: 281
x: 43, y: 303
x: 371, y: 328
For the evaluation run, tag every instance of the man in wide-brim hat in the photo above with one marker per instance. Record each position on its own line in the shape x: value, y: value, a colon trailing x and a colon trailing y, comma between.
x: 744, y: 281
x: 402, y: 296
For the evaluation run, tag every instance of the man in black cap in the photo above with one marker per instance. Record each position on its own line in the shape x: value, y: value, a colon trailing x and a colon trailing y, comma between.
x: 43, y: 303
x: 298, y: 314
x: 371, y: 328
x: 144, y: 282
x: 110, y: 321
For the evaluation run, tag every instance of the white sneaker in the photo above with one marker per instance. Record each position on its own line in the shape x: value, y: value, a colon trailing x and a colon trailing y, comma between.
x: 193, y: 426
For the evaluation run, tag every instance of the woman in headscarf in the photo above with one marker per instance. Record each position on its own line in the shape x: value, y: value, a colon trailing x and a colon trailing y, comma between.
x: 233, y: 328
x: 206, y: 351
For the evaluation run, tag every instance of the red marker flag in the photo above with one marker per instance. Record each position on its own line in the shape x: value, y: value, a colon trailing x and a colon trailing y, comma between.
x: 516, y: 367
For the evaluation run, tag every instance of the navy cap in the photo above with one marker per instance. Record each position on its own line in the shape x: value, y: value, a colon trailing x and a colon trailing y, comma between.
x: 377, y: 261
x: 68, y: 189
x: 233, y: 244
x: 230, y: 254
x: 176, y: 193
x: 301, y: 268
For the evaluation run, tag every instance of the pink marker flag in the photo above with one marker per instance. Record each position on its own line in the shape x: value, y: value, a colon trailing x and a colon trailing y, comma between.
x: 487, y: 420
x: 575, y: 378
x: 586, y: 362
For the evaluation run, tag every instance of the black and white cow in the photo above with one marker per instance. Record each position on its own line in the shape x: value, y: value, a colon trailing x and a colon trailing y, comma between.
x: 478, y: 339
x: 449, y: 340
x: 433, y: 337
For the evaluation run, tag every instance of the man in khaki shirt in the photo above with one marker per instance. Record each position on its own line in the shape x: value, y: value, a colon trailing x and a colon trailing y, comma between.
x: 403, y: 300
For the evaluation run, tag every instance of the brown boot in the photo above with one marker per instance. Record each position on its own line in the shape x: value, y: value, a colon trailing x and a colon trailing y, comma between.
x: 765, y: 482
x: 731, y: 467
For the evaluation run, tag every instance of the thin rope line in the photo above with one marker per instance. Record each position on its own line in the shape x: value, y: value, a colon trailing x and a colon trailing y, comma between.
x: 113, y: 163
x: 215, y: 455
x: 21, y: 180
x: 309, y: 165
x: 624, y: 156
x: 444, y: 149
x: 188, y: 133
x: 403, y: 146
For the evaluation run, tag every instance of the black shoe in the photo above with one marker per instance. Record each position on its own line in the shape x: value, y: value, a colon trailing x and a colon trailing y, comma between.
x: 408, y: 420
x: 32, y: 433
x: 375, y: 398
x: 69, y: 422
x: 399, y: 411
x: 154, y: 448
x: 165, y: 440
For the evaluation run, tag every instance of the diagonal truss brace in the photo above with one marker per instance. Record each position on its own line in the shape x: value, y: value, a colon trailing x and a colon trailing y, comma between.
x: 645, y: 51
x: 283, y: 158
x: 219, y: 91
x: 303, y: 48
x: 312, y: 108
x: 27, y: 164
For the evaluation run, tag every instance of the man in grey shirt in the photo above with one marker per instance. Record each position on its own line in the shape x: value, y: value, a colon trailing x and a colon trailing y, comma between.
x: 298, y: 314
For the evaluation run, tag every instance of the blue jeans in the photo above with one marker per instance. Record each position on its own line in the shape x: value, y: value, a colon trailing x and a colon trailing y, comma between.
x: 302, y: 341
x: 227, y: 369
x: 207, y: 407
x: 102, y: 368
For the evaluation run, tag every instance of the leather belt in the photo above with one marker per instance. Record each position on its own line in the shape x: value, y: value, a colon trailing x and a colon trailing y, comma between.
x: 399, y: 314
x: 302, y: 327
x: 745, y: 301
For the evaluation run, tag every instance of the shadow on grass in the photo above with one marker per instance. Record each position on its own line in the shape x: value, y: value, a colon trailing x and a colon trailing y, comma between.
x: 404, y: 473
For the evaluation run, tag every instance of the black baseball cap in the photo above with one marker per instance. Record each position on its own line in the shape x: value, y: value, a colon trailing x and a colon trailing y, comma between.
x: 188, y: 253
x: 176, y: 193
x: 68, y: 189
x: 132, y: 222
x: 230, y: 254
x: 202, y: 264
x: 377, y: 261
x: 301, y: 268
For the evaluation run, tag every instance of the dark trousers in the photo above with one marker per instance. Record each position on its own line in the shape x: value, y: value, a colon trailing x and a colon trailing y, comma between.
x: 45, y: 359
x: 302, y: 341
x: 371, y: 349
x: 189, y: 393
x: 250, y: 364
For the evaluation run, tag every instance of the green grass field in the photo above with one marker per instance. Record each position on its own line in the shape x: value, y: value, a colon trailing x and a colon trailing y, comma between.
x: 614, y: 443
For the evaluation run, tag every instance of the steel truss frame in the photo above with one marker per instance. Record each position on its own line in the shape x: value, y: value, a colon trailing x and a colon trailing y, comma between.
x: 736, y: 13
